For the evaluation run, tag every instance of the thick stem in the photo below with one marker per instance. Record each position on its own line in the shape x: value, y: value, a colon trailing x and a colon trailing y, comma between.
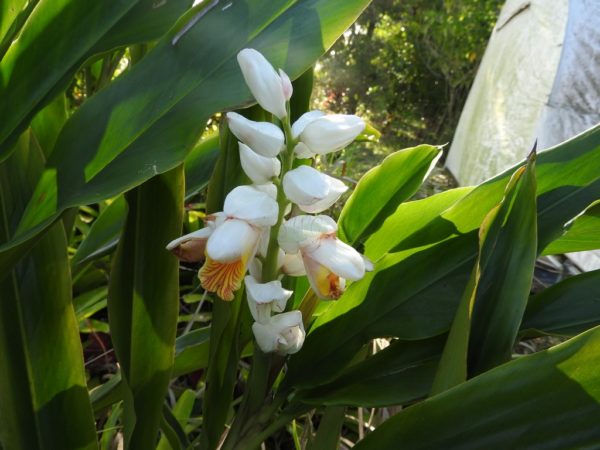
x: 248, y: 423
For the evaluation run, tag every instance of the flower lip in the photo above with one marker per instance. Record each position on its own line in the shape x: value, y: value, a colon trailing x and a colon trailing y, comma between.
x: 299, y: 231
x: 232, y: 240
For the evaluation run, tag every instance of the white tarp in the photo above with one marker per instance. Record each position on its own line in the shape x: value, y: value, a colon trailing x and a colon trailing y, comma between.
x: 497, y: 127
x: 539, y: 79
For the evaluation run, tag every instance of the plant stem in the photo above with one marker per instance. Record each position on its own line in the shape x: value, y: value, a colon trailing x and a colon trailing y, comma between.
x: 253, y: 414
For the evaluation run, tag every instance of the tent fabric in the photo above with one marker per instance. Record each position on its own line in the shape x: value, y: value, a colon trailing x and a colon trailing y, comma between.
x: 498, y: 124
x: 574, y: 103
x: 538, y: 80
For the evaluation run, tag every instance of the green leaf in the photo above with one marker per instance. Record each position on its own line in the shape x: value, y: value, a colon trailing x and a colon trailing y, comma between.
x: 106, y: 229
x: 200, y: 163
x: 90, y: 302
x: 181, y: 414
x: 143, y: 302
x: 24, y: 90
x: 398, y: 374
x: 13, y: 14
x: 173, y: 435
x: 45, y: 404
x: 382, y: 189
x: 141, y: 125
x: 104, y: 233
x: 191, y: 351
x: 46, y: 125
x: 581, y: 234
x: 330, y: 428
x: 90, y: 30
x: 411, y: 216
x: 417, y: 285
x: 567, y: 308
x: 546, y: 400
x: 488, y: 317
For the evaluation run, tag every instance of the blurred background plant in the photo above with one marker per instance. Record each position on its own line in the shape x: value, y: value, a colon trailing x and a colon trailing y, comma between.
x: 407, y: 67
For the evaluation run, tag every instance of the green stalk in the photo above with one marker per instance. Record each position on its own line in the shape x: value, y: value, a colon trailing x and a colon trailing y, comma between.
x: 248, y: 423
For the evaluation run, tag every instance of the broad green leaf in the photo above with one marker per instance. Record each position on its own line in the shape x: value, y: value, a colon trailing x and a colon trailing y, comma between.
x: 24, y: 89
x: 90, y: 30
x: 104, y: 233
x: 174, y: 436
x: 416, y: 286
x: 47, y: 124
x: 106, y: 229
x: 143, y: 303
x: 303, y: 87
x: 200, y: 163
x: 13, y: 14
x: 546, y: 400
x: 90, y: 302
x: 409, y: 217
x: 45, y: 404
x: 488, y: 317
x: 224, y: 354
x: 399, y: 374
x: 141, y: 125
x: 330, y: 428
x: 181, y: 412
x: 582, y: 234
x: 567, y: 308
x: 110, y: 428
x: 382, y: 189
x: 191, y: 351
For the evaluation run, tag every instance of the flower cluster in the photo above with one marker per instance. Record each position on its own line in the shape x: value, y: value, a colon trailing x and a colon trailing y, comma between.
x: 253, y: 233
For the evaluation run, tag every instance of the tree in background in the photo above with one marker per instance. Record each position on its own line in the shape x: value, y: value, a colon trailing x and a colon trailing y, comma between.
x: 408, y: 65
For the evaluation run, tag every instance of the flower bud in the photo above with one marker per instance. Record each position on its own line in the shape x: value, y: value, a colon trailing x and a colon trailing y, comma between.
x: 331, y: 133
x: 312, y: 190
x: 264, y: 138
x: 259, y: 169
x: 266, y: 85
x: 264, y: 298
x: 283, y: 333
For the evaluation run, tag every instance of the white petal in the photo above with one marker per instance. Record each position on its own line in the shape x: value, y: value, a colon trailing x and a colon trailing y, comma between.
x: 312, y: 190
x: 305, y: 185
x: 303, y: 120
x: 267, y: 292
x: 268, y: 188
x: 191, y: 247
x: 291, y: 328
x: 265, y: 237
x: 232, y: 240
x: 293, y: 265
x: 302, y: 230
x: 301, y: 151
x: 331, y: 133
x: 252, y: 205
x: 264, y: 298
x: 283, y: 334
x: 201, y: 234
x: 336, y: 189
x: 259, y: 169
x: 263, y: 81
x: 338, y: 257
x: 286, y: 83
x: 264, y: 138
